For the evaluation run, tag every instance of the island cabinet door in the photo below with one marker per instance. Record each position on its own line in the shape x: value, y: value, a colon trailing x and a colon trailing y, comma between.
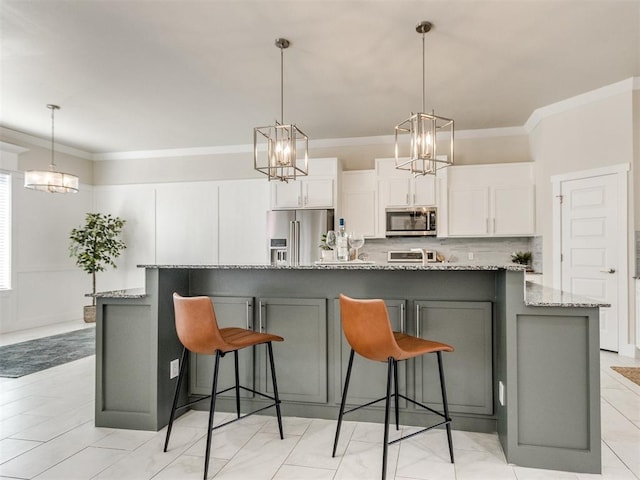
x: 468, y: 371
x: 230, y: 312
x: 368, y: 378
x: 301, y: 360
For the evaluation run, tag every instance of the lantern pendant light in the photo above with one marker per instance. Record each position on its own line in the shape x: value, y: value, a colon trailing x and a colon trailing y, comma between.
x: 51, y: 180
x: 286, y: 146
x: 425, y: 132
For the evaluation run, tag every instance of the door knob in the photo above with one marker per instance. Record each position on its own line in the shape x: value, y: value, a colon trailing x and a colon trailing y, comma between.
x: 608, y: 270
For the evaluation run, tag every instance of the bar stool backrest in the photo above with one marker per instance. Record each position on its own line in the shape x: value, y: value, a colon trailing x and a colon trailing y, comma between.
x: 365, y: 323
x: 196, y: 325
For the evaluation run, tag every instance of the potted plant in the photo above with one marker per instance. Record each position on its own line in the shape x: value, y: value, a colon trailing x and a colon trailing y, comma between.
x: 521, y: 258
x: 326, y: 252
x: 95, y: 246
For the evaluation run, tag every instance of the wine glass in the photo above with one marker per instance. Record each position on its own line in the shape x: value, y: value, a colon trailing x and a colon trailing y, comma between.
x: 356, y: 240
x: 330, y: 240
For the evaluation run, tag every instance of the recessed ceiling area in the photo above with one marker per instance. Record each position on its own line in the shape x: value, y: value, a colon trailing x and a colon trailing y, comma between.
x: 150, y: 75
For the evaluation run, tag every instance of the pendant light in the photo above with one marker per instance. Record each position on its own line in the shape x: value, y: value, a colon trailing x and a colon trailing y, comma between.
x: 51, y: 180
x: 287, y: 147
x: 425, y: 132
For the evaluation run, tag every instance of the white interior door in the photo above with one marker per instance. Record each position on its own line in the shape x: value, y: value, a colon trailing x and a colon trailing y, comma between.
x: 590, y: 257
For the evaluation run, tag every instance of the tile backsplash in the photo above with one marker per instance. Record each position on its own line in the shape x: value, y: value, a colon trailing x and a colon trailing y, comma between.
x: 458, y: 250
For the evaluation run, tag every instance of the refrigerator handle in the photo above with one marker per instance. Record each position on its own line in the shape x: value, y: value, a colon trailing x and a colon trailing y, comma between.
x: 294, y: 241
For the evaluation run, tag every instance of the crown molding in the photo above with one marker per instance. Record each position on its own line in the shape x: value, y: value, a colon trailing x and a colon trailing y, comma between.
x: 41, y: 142
x: 319, y: 143
x: 608, y: 91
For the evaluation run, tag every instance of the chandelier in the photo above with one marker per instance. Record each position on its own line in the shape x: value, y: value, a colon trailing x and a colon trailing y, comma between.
x: 424, y: 131
x: 51, y: 180
x: 280, y: 151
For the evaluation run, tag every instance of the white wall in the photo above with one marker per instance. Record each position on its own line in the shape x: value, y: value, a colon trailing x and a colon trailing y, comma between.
x: 582, y: 135
x: 47, y: 287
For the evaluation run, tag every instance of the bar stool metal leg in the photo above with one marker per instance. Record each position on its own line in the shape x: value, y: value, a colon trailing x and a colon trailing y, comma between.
x: 343, y: 402
x: 445, y: 405
x: 275, y: 389
x: 395, y: 389
x: 385, y: 445
x: 212, y: 409
x: 235, y: 361
x: 183, y: 366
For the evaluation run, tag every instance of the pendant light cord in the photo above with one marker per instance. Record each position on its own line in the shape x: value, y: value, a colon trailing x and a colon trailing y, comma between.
x: 423, y: 75
x: 282, y: 85
x: 53, y: 110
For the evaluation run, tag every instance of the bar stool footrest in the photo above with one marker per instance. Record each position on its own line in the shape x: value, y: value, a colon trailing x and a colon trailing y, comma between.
x: 419, y: 432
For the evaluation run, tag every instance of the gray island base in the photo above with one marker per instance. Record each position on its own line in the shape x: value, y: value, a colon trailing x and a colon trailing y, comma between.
x: 526, y: 360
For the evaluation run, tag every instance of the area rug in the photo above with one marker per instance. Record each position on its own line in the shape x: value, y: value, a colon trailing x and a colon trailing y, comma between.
x: 632, y: 373
x: 34, y: 355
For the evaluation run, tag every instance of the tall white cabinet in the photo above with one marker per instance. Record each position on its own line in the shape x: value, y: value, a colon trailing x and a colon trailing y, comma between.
x: 491, y: 200
x: 358, y: 201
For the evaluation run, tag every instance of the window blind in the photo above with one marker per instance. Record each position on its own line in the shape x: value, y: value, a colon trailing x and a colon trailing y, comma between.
x: 5, y: 231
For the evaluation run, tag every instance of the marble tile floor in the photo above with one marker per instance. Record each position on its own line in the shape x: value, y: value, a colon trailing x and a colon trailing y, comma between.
x: 47, y: 432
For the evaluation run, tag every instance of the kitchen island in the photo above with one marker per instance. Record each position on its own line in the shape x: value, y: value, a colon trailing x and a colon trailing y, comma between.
x: 526, y: 362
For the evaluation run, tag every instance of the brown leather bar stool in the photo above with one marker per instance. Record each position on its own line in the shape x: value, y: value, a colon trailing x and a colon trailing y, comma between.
x: 366, y: 326
x: 198, y: 332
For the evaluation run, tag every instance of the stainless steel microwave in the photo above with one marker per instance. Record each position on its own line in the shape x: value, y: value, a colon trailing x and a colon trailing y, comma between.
x: 411, y: 222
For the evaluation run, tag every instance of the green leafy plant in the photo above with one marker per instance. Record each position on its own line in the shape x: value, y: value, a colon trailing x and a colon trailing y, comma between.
x: 96, y: 245
x: 323, y: 243
x: 521, y: 258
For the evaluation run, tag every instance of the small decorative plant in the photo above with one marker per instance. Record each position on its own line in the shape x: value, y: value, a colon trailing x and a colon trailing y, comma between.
x: 323, y: 243
x: 96, y: 245
x: 521, y: 258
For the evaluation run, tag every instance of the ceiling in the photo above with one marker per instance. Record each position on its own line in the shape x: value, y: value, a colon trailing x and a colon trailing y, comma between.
x: 152, y: 74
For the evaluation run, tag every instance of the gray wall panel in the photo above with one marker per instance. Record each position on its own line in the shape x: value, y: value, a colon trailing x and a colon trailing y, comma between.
x: 552, y: 394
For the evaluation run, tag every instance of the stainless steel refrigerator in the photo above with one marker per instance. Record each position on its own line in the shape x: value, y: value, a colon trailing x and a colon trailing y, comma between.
x: 294, y: 236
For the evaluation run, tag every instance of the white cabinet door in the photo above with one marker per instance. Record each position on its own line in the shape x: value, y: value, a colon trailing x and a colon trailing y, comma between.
x: 286, y: 195
x: 401, y: 189
x: 358, y: 206
x: 135, y: 204
x: 424, y: 190
x: 468, y: 211
x: 513, y: 210
x: 496, y: 200
x: 317, y: 193
x: 187, y: 223
x: 397, y: 192
x: 317, y: 190
x: 243, y: 222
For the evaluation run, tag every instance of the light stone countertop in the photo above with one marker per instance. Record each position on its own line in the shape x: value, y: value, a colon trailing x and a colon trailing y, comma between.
x: 535, y: 295
x: 352, y: 265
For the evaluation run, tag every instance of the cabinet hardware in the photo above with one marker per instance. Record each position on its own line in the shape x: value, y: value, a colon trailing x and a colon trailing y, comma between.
x: 248, y: 304
x: 261, y: 306
x: 402, y: 317
x: 417, y: 320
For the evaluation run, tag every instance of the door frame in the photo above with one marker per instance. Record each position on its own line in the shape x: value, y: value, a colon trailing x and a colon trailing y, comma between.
x: 621, y: 171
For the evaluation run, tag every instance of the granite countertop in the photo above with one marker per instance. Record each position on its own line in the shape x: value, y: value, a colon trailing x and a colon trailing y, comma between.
x: 126, y: 293
x: 353, y: 265
x: 536, y: 295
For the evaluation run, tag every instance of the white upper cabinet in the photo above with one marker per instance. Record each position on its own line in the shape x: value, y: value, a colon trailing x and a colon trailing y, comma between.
x: 316, y: 190
x: 491, y: 200
x: 398, y: 188
x: 358, y: 201
x: 242, y: 219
